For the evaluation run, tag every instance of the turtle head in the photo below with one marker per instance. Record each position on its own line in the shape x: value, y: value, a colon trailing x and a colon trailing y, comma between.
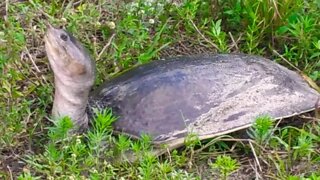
x: 73, y: 73
x: 67, y: 57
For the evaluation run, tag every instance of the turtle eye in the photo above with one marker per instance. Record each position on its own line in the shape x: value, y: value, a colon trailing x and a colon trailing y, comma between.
x: 64, y: 37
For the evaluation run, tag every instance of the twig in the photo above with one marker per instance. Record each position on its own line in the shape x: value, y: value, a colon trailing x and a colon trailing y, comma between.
x: 234, y: 43
x: 23, y: 74
x: 32, y: 60
x: 293, y: 66
x: 169, y: 155
x: 309, y: 118
x: 276, y: 9
x: 34, y: 64
x: 255, y: 156
x: 210, y: 42
x: 10, y: 172
x: 273, y: 130
x: 254, y: 167
x: 67, y: 7
x: 225, y: 138
x: 77, y: 3
x: 106, y: 46
x: 219, y: 138
x: 40, y: 10
x: 64, y: 1
x: 7, y: 10
x: 244, y: 140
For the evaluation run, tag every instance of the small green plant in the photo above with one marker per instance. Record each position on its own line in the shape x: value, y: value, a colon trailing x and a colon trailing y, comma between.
x: 261, y: 129
x: 192, y: 140
x: 179, y: 159
x: 313, y: 176
x: 165, y: 168
x: 188, y: 9
x: 304, y: 146
x: 147, y: 165
x: 226, y: 165
x: 123, y: 143
x: 305, y: 54
x: 219, y: 36
x: 103, y: 121
x: 27, y: 176
x: 60, y: 129
x: 253, y: 37
x: 76, y: 153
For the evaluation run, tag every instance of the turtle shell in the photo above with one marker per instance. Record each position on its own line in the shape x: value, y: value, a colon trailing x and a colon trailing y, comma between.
x: 207, y: 95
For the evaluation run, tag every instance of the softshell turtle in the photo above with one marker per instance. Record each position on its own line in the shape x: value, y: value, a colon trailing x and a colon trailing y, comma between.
x: 207, y: 95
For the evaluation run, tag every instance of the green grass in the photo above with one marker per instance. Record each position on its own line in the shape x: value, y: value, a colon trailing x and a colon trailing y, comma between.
x: 31, y: 147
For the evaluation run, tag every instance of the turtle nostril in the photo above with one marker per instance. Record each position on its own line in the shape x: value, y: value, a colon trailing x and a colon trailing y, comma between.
x: 64, y: 37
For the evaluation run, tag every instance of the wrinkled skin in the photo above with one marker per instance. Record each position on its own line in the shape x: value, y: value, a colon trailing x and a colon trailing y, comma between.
x: 73, y: 75
x: 208, y: 95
